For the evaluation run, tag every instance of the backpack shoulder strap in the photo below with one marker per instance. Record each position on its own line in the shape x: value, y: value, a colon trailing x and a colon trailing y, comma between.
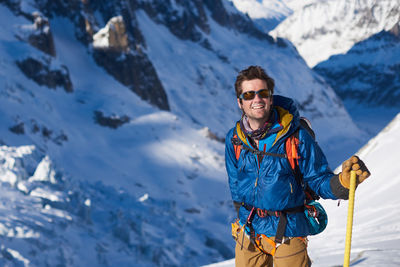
x: 292, y: 147
x: 237, y: 146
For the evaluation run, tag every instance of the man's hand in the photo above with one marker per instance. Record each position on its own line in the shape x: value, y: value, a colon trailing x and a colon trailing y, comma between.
x: 357, y: 165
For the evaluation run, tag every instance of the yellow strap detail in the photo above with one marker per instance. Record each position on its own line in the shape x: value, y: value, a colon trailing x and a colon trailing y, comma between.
x: 241, y: 134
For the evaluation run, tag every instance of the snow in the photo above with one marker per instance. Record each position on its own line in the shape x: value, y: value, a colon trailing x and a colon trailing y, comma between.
x: 44, y: 172
x: 82, y: 198
x: 153, y: 191
x: 262, y: 9
x: 100, y: 39
x: 333, y: 27
x: 267, y: 14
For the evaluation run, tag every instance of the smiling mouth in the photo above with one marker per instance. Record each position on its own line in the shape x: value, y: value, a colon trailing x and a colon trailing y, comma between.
x: 257, y: 106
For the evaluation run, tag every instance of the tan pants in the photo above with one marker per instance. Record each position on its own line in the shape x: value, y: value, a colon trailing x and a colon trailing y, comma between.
x: 293, y: 253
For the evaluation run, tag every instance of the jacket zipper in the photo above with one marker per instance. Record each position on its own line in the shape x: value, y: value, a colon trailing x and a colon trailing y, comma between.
x: 259, y: 160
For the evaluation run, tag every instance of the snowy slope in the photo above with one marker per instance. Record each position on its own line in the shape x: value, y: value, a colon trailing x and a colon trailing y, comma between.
x: 94, y: 170
x: 376, y: 229
x: 333, y: 27
x: 147, y: 175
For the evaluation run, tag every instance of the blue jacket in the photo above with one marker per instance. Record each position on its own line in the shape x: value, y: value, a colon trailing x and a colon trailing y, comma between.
x: 270, y: 184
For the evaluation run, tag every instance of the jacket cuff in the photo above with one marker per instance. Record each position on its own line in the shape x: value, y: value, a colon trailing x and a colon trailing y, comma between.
x: 338, y: 189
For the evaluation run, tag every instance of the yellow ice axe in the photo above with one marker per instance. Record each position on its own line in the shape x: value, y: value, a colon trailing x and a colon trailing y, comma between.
x: 350, y: 212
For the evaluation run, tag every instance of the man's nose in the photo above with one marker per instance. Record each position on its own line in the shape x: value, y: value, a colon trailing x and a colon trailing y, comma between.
x: 257, y: 97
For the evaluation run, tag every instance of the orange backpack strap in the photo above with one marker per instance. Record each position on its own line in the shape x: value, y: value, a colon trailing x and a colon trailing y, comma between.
x: 291, y: 146
x: 236, y: 146
x: 292, y: 152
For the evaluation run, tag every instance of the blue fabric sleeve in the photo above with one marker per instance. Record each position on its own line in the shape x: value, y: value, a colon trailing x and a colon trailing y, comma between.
x: 231, y: 165
x: 314, y: 166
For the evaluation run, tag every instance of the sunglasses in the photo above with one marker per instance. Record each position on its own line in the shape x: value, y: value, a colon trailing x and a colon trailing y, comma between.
x: 249, y: 95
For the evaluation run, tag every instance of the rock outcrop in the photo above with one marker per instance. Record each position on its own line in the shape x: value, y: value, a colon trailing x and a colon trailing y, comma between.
x: 112, y: 37
x: 41, y: 72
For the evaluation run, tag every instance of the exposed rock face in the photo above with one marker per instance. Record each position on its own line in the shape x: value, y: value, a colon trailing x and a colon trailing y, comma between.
x: 18, y: 128
x: 136, y: 72
x: 43, y: 38
x: 117, y: 45
x: 112, y: 121
x: 186, y: 23
x: 188, y: 20
x: 33, y: 127
x: 38, y: 34
x: 41, y: 73
x: 127, y: 63
x: 113, y: 36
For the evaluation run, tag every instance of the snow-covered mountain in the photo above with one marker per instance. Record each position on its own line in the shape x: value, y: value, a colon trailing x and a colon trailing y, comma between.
x: 369, y: 71
x: 113, y: 114
x: 267, y: 14
x: 376, y: 229
x: 326, y: 28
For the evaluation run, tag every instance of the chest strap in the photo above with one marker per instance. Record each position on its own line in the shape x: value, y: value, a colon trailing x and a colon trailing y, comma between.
x: 238, y: 144
x: 280, y: 231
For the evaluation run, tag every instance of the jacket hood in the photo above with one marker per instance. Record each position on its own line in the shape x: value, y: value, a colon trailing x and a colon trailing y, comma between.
x: 288, y: 113
x: 289, y: 105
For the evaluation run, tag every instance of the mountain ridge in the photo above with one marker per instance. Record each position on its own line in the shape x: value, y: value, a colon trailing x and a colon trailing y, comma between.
x: 367, y: 73
x: 333, y: 27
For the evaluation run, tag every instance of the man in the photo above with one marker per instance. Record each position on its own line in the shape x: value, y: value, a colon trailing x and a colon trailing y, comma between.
x: 272, y: 227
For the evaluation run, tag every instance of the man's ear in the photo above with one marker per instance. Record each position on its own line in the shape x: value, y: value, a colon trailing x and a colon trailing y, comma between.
x: 239, y: 101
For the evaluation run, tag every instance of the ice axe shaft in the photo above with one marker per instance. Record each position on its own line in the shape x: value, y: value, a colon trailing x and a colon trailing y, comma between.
x: 350, y: 213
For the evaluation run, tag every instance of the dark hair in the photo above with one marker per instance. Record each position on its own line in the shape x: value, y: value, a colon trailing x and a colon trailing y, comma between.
x: 251, y: 73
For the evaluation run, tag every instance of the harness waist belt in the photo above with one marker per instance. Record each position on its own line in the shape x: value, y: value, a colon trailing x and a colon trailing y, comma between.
x: 280, y: 231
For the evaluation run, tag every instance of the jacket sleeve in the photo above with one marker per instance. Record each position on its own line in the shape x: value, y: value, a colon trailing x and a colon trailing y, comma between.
x: 231, y: 166
x: 314, y: 167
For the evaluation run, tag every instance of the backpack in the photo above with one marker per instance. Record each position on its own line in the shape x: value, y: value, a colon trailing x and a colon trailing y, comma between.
x: 316, y: 216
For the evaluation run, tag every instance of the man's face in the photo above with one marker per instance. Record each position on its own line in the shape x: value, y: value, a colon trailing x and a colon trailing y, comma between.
x: 257, y: 109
